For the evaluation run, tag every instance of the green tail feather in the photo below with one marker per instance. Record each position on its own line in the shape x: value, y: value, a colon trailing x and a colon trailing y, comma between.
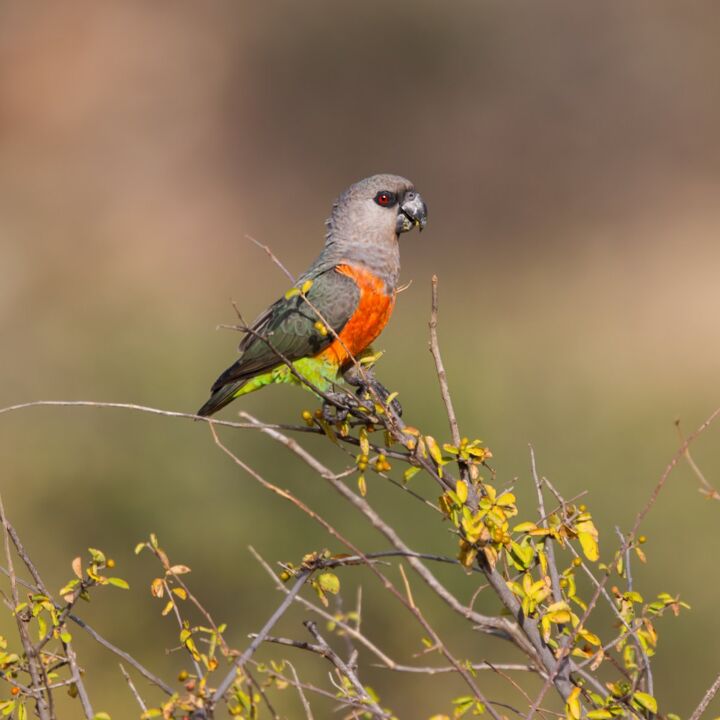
x: 320, y: 373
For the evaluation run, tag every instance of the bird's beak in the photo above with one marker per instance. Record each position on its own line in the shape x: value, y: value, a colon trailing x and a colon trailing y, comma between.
x: 413, y: 212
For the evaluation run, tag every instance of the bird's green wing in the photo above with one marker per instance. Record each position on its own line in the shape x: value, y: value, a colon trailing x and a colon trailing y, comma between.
x: 291, y: 327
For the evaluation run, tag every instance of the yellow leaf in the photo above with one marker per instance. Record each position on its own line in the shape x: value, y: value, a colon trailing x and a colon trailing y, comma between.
x: 329, y: 582
x: 559, y: 617
x: 506, y: 499
x: 573, y: 709
x: 364, y: 442
x: 434, y: 449
x: 646, y: 700
x: 461, y: 489
x: 589, y: 637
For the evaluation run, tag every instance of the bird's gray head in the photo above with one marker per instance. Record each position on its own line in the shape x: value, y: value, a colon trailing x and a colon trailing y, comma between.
x: 377, y: 208
x: 366, y: 222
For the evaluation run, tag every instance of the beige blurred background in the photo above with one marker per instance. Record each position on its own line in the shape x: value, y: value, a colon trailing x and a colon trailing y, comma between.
x: 570, y: 157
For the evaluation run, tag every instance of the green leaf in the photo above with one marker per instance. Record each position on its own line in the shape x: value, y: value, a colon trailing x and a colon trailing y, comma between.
x: 646, y: 700
x: 119, y: 582
x: 98, y: 556
x: 410, y: 473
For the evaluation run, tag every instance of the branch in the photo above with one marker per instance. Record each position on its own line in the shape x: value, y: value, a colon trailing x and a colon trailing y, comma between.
x: 327, y: 474
x: 349, y: 629
x: 549, y: 546
x: 707, y: 698
x: 133, y: 689
x: 327, y: 652
x: 303, y: 699
x: 681, y: 452
x: 138, y: 408
x: 238, y: 663
x: 154, y: 679
x: 442, y: 377
x: 39, y: 682
x: 707, y: 489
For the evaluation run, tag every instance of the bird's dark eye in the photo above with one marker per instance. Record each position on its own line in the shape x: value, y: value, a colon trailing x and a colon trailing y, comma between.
x: 385, y: 198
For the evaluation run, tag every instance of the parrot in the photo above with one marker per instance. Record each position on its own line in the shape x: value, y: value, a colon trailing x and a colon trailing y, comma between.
x: 340, y: 305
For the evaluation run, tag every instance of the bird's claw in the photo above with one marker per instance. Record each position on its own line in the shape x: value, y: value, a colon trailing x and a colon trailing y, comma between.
x: 337, y: 407
x: 370, y: 388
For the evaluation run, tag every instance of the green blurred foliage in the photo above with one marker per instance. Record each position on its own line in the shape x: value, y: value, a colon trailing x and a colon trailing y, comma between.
x: 570, y: 161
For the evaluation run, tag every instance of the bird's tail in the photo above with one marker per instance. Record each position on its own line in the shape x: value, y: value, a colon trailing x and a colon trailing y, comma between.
x: 220, y: 398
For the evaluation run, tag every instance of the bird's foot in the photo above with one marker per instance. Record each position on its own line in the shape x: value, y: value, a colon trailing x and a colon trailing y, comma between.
x: 337, y: 406
x: 371, y: 389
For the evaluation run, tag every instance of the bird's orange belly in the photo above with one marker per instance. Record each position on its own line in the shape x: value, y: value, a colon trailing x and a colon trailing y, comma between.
x: 368, y: 320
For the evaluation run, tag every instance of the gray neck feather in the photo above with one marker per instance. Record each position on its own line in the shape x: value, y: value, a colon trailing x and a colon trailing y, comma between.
x: 376, y: 250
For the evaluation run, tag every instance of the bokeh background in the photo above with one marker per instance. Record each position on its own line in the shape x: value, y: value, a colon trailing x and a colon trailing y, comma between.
x: 570, y: 156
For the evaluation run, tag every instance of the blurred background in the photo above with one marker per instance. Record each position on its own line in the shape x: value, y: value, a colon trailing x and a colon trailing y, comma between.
x: 570, y: 157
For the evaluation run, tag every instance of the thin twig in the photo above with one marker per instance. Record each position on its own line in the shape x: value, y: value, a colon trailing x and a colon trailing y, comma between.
x: 77, y: 680
x: 666, y: 473
x: 707, y: 698
x: 38, y: 681
x: 154, y: 679
x: 272, y: 256
x: 263, y: 694
x: 68, y: 646
x: 327, y: 652
x: 707, y: 489
x: 303, y: 699
x: 636, y: 640
x: 133, y: 689
x: 138, y: 408
x: 442, y: 376
x: 238, y: 663
x: 549, y: 546
x: 354, y: 632
x: 420, y: 670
